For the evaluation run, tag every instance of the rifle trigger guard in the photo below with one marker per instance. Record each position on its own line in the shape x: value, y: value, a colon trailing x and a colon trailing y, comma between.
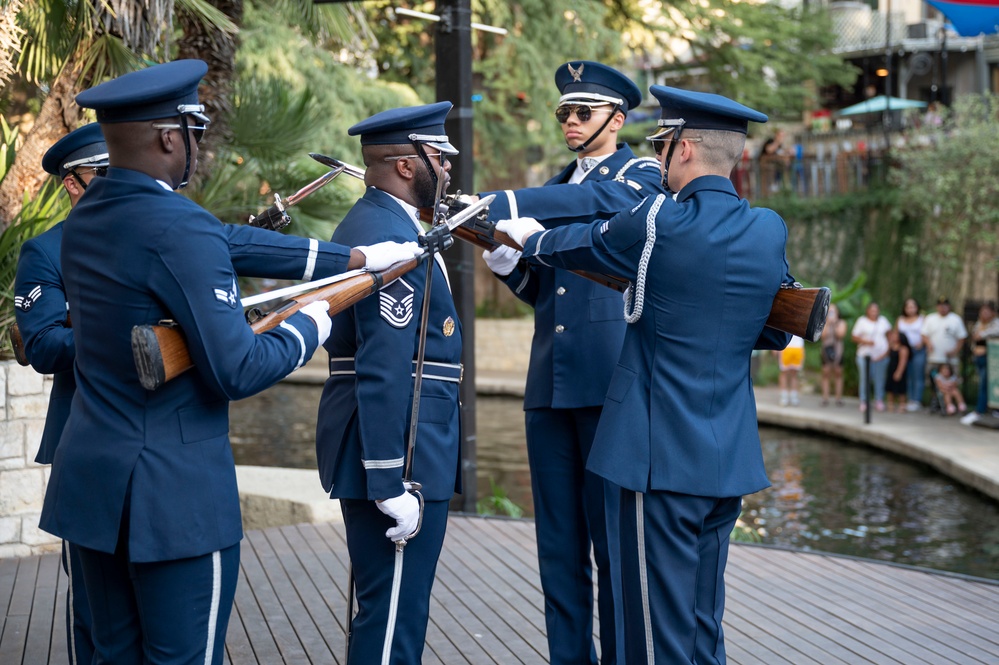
x: 253, y: 315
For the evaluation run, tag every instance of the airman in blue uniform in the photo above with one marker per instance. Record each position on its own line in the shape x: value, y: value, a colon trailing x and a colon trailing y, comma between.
x: 143, y: 483
x: 678, y: 430
x: 40, y: 310
x: 578, y: 330
x: 365, y: 411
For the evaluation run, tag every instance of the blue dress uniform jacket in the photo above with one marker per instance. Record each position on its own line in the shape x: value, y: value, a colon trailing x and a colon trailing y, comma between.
x: 136, y: 253
x: 41, y: 311
x: 679, y: 415
x: 363, y: 432
x: 578, y: 324
x: 364, y: 416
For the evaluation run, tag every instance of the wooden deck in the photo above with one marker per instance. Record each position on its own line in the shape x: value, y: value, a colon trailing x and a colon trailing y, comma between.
x: 783, y: 607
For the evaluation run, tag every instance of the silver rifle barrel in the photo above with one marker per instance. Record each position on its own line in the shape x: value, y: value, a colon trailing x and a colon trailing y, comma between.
x: 334, y: 163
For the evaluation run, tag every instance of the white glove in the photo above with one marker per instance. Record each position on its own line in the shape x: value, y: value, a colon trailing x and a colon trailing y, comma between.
x: 519, y: 228
x: 384, y: 254
x: 405, y: 510
x: 319, y: 311
x: 502, y: 260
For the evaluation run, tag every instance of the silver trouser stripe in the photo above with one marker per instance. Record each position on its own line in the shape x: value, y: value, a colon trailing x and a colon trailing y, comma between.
x: 301, y: 341
x: 393, y: 606
x: 643, y: 575
x: 310, y: 263
x: 213, y: 615
x: 69, y: 602
x: 431, y: 370
x: 383, y: 463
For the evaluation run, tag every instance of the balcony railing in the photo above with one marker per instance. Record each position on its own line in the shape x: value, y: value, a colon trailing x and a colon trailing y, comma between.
x: 848, y: 171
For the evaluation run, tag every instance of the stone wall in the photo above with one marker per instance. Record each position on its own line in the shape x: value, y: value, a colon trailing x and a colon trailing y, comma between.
x: 25, y: 396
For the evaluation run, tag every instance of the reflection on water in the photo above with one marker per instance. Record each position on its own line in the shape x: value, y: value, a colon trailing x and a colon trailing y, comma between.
x: 827, y: 495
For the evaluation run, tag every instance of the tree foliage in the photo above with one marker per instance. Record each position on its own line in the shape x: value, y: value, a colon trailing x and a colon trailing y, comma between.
x: 722, y: 45
x: 946, y: 178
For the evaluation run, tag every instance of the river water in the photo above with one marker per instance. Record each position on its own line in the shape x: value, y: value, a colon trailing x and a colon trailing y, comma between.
x: 827, y: 495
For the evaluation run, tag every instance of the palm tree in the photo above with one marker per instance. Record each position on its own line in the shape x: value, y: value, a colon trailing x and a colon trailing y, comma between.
x: 68, y: 46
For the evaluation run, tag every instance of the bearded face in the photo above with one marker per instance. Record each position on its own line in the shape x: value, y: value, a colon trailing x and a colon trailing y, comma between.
x: 424, y: 189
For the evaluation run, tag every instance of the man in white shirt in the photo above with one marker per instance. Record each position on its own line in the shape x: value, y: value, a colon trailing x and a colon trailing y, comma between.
x: 943, y: 334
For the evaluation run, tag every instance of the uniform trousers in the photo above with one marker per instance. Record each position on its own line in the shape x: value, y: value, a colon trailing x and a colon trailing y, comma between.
x: 674, y: 548
x: 161, y: 612
x: 78, y: 621
x: 573, y: 509
x: 373, y: 562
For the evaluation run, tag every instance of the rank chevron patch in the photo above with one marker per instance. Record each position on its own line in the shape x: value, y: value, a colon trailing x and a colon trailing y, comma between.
x: 24, y: 303
x: 228, y: 297
x: 395, y: 302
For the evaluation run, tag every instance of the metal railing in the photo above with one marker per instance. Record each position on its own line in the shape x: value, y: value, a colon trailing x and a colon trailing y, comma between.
x: 846, y: 172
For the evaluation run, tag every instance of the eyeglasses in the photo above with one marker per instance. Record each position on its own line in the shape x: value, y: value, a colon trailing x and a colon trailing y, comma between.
x: 199, y: 130
x: 584, y: 113
x: 441, y: 157
x: 97, y: 171
x: 658, y: 145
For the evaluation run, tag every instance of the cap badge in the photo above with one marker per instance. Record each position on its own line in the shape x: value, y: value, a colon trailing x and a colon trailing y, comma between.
x: 448, y: 327
x: 577, y: 74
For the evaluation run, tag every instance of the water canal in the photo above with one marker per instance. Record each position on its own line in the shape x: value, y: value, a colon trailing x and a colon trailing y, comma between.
x: 827, y: 495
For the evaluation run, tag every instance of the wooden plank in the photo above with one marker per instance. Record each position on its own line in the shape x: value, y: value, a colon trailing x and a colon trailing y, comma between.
x: 15, y: 630
x: 238, y: 650
x: 8, y: 573
x: 59, y: 652
x: 43, y: 623
x: 946, y: 622
x: 917, y: 638
x: 783, y: 607
x: 795, y: 607
x: 931, y: 622
x: 836, y: 606
x: 262, y: 644
x: 273, y: 606
x: 309, y: 616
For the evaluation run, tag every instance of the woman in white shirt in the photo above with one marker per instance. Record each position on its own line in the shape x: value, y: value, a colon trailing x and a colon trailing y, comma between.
x: 910, y: 324
x: 870, y: 333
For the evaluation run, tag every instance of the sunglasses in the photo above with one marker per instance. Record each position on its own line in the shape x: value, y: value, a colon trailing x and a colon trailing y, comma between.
x: 658, y: 145
x: 98, y: 171
x: 441, y: 157
x: 584, y: 113
x: 199, y: 130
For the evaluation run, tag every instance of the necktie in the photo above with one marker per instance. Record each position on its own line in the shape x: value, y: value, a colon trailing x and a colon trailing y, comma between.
x: 587, y: 163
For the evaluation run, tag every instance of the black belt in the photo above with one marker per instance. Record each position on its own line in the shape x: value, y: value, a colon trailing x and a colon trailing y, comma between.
x: 431, y: 370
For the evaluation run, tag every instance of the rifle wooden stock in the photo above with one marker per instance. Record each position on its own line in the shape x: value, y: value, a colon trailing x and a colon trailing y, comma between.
x: 17, y: 343
x: 795, y: 310
x: 161, y: 352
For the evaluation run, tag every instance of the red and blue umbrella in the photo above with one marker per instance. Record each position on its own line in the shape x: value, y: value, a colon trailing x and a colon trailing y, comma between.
x: 970, y: 18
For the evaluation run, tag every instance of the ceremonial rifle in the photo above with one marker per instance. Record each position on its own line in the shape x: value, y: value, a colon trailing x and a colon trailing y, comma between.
x: 160, y: 351
x: 276, y: 217
x: 795, y: 310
